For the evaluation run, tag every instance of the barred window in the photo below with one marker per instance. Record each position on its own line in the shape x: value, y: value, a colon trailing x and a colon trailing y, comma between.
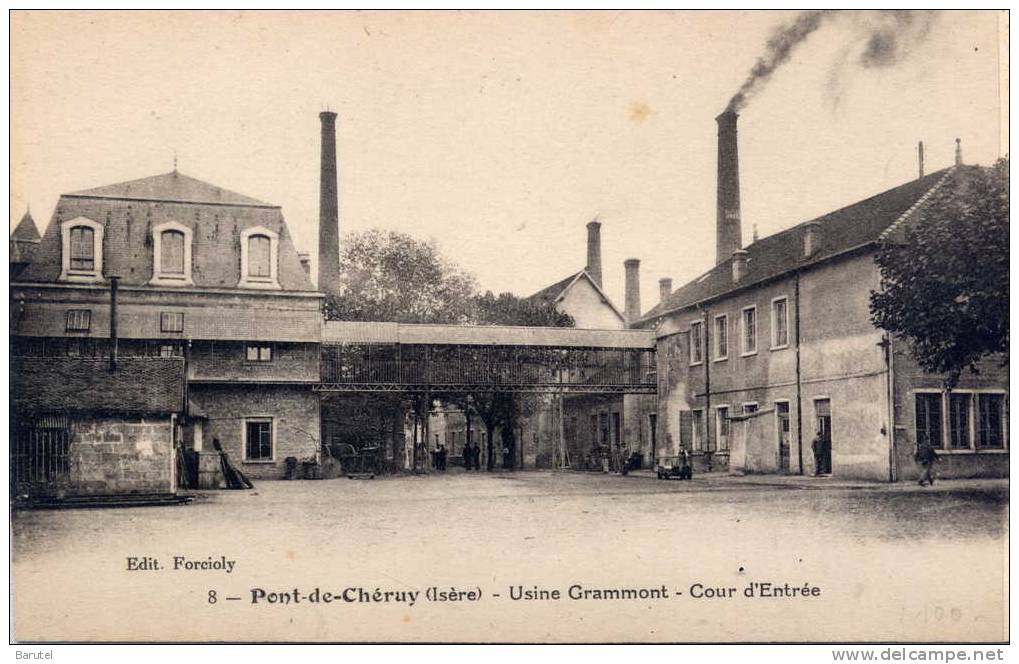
x: 79, y: 320
x: 928, y: 420
x: 990, y: 427
x: 171, y: 321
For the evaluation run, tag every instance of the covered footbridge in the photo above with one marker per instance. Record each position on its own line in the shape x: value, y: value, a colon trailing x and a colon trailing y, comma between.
x: 397, y: 357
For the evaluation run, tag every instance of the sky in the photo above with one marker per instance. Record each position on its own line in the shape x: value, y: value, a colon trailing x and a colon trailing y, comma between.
x: 498, y: 135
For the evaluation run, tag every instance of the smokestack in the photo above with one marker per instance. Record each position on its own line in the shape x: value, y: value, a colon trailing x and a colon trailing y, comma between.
x: 919, y: 157
x: 728, y: 231
x: 664, y: 288
x: 739, y: 265
x: 328, y: 210
x: 958, y: 152
x: 594, y: 251
x: 632, y: 310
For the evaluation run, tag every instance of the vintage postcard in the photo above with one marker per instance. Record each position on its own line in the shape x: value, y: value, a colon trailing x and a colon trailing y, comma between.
x: 509, y: 327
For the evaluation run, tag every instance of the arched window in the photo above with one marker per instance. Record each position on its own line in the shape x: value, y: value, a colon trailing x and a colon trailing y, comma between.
x: 171, y: 260
x: 260, y: 256
x: 81, y: 258
x: 83, y: 249
x: 171, y: 255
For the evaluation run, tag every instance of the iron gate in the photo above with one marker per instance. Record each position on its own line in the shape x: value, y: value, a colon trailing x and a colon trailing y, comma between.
x: 40, y: 454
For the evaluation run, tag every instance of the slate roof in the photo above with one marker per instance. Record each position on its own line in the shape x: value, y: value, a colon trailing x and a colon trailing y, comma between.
x: 130, y: 210
x: 26, y: 230
x: 848, y: 228
x: 172, y: 186
x: 85, y: 385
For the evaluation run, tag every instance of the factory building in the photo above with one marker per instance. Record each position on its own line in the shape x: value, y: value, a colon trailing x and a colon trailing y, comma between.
x: 774, y: 347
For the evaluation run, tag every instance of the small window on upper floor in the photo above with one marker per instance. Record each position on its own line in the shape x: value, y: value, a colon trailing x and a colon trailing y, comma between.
x: 171, y: 321
x: 258, y: 353
x: 81, y: 250
x: 171, y: 252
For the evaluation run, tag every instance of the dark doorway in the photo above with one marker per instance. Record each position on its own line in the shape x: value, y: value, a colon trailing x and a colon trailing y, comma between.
x: 822, y: 414
x: 782, y: 424
x: 652, y: 423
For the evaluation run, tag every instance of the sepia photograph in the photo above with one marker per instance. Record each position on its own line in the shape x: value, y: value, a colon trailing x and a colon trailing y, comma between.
x: 510, y: 327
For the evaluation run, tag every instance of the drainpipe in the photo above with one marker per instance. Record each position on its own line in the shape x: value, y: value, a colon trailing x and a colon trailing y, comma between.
x: 114, y: 285
x: 707, y: 384
x: 799, y: 378
x: 886, y: 343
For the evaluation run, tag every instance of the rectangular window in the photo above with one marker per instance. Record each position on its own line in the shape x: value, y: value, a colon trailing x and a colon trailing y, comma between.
x: 722, y: 427
x: 79, y: 320
x: 779, y: 323
x: 991, y: 423
x: 696, y: 342
x: 258, y: 353
x: 928, y: 420
x: 258, y: 439
x: 259, y: 256
x: 749, y: 407
x: 721, y: 337
x: 749, y: 330
x: 958, y: 420
x: 698, y: 430
x: 171, y: 321
x: 83, y: 249
x: 170, y: 350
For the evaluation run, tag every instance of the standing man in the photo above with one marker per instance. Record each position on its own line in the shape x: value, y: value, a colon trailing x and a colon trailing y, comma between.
x: 926, y: 457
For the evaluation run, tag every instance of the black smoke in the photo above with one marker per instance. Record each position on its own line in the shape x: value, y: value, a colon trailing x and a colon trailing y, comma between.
x: 883, y: 38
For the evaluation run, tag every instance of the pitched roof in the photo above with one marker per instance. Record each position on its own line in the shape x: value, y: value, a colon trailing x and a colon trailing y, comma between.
x: 552, y: 293
x: 85, y: 384
x: 845, y: 229
x: 558, y: 290
x: 172, y: 186
x: 26, y: 230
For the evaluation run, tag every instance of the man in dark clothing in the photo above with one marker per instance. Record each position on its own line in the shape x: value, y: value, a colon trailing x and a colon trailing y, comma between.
x: 817, y: 447
x: 926, y: 456
x: 476, y: 455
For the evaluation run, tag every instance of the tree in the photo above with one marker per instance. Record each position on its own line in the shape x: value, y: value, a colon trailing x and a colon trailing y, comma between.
x: 508, y: 309
x: 390, y: 276
x: 944, y: 281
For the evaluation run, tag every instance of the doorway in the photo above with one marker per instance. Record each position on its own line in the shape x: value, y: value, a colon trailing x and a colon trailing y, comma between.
x: 652, y: 423
x: 822, y: 425
x: 782, y: 426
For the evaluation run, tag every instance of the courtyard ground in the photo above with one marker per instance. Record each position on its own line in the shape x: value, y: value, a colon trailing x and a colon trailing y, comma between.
x: 890, y: 562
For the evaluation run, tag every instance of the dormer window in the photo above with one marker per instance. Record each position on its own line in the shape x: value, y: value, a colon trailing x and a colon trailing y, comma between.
x: 259, y: 258
x: 82, y: 250
x: 171, y: 255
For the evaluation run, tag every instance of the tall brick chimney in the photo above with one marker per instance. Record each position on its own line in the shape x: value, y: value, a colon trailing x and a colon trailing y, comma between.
x: 728, y: 231
x: 328, y: 210
x: 632, y: 306
x: 594, y: 251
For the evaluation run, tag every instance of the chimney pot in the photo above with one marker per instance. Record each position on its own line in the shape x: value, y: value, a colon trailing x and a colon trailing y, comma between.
x: 811, y: 238
x: 632, y: 308
x: 739, y: 265
x: 664, y: 287
x: 594, y: 251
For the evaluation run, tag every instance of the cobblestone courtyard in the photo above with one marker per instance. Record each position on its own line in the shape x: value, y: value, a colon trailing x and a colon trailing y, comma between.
x: 866, y: 546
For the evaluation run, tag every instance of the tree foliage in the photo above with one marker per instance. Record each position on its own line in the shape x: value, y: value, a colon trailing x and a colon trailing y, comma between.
x: 944, y: 282
x: 390, y: 276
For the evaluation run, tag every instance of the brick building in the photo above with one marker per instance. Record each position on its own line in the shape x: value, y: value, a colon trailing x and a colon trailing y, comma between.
x: 164, y: 281
x: 774, y: 346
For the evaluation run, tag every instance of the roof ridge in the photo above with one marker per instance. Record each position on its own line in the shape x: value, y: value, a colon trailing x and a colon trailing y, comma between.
x: 919, y: 202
